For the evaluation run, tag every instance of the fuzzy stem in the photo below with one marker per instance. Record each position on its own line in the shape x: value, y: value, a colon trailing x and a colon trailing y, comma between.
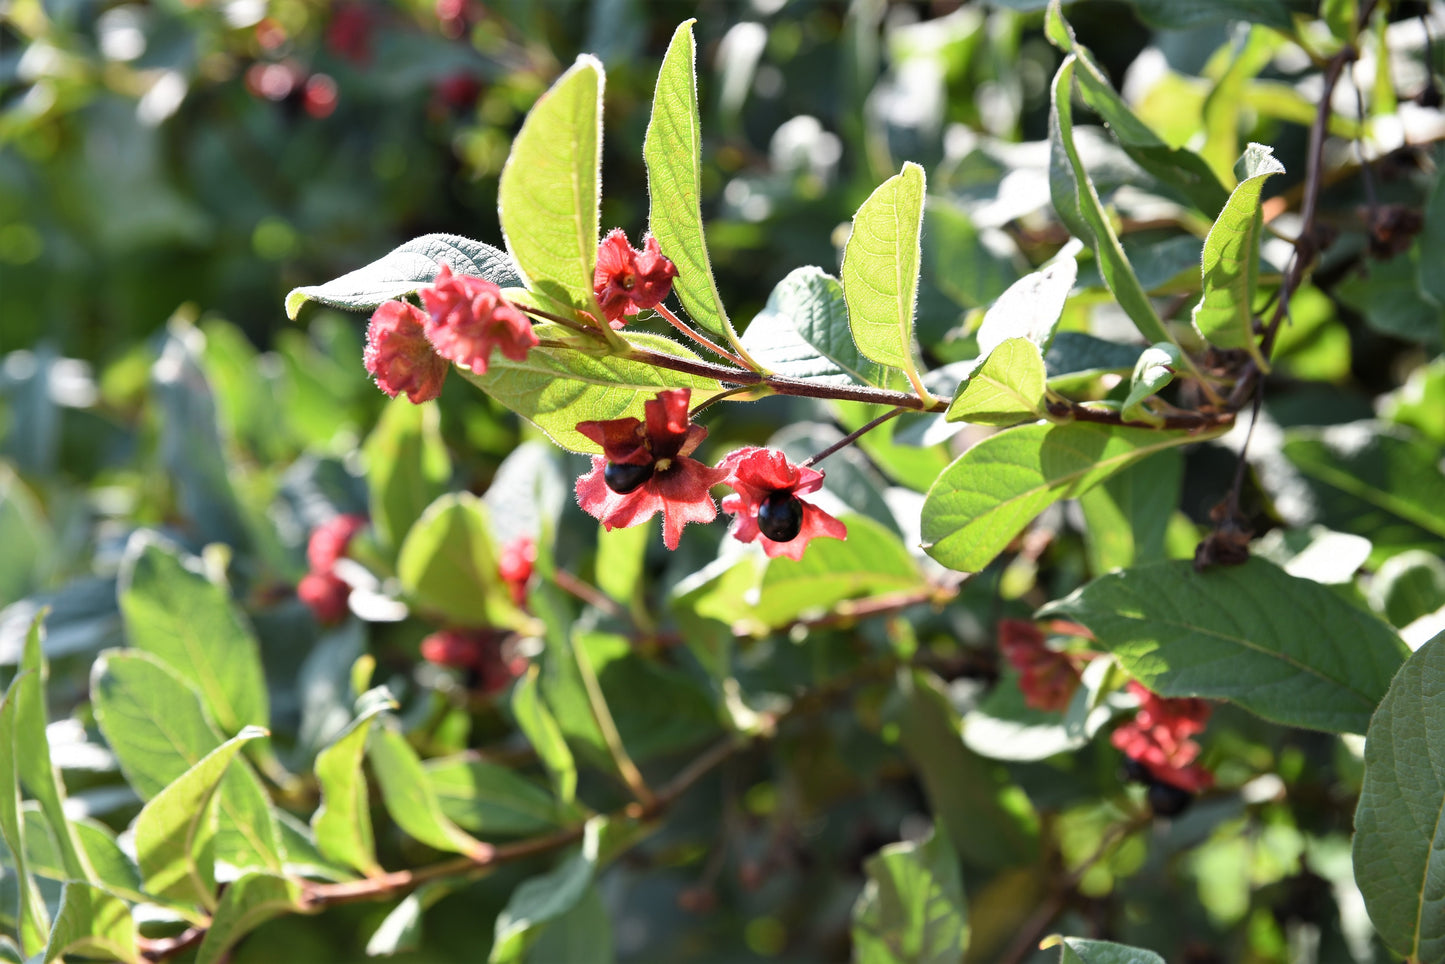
x: 698, y: 337
x: 851, y: 437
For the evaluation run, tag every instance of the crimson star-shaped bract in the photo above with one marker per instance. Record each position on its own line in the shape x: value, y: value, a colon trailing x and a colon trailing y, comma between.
x: 626, y: 280
x: 677, y: 486
x: 399, y: 356
x: 758, y: 476
x: 1159, y: 738
x: 467, y: 317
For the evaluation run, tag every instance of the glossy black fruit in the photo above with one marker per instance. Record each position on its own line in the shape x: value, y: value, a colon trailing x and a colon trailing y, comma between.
x: 780, y: 517
x: 1135, y: 772
x: 623, y: 478
x: 1168, y: 801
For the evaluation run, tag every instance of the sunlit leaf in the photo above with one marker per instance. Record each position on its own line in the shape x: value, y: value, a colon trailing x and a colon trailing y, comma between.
x: 1006, y: 388
x: 537, y: 722
x: 409, y: 798
x: 247, y: 904
x: 1152, y: 373
x: 343, y: 820
x: 448, y: 564
x: 34, y: 922
x: 912, y: 907
x: 803, y: 332
x: 93, y: 923
x: 407, y: 466
x: 489, y: 799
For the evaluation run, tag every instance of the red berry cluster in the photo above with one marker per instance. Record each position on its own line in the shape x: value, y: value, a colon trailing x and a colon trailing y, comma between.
x: 1158, y: 739
x: 1047, y: 677
x: 321, y: 588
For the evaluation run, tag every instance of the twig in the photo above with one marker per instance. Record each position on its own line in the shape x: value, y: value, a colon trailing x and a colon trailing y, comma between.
x: 698, y: 337
x: 851, y: 437
x: 630, y: 774
x: 588, y: 594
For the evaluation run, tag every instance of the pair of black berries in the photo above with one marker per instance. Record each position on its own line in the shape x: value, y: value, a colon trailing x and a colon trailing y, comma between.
x: 780, y: 516
x: 1165, y: 799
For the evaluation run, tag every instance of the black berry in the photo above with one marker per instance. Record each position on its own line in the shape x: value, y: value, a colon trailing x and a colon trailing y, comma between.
x: 1168, y: 801
x: 623, y: 478
x: 1136, y: 772
x: 780, y: 517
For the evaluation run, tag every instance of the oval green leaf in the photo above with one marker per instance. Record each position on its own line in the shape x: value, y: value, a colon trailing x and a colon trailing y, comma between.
x: 1005, y: 389
x: 409, y: 798
x: 448, y: 564
x: 343, y: 821
x: 912, y: 906
x: 248, y: 903
x: 92, y: 923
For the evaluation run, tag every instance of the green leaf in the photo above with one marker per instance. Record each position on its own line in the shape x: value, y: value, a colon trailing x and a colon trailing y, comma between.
x: 1152, y: 372
x: 802, y: 332
x: 154, y: 723
x: 1384, y: 484
x: 1408, y: 586
x: 404, y: 270
x: 545, y: 898
x: 92, y: 923
x: 409, y: 798
x: 491, y: 800
x: 1225, y: 313
x: 1127, y: 517
x: 33, y: 761
x: 542, y: 731
x: 34, y: 922
x: 1006, y: 388
x: 247, y: 903
x: 1285, y: 648
x: 621, y: 560
x: 1074, y: 950
x: 1074, y: 355
x: 1398, y: 853
x: 549, y: 192
x: 557, y: 388
x: 673, y: 152
x: 912, y: 907
x: 191, y: 624
x: 29, y: 538
x: 175, y: 833
x: 1030, y: 308
x: 343, y: 821
x: 447, y: 564
x: 880, y: 270
x: 114, y: 870
x: 998, y: 486
x: 872, y: 559
x: 1225, y: 103
x: 407, y: 466
x: 400, y: 930
x: 1182, y: 171
x: 582, y: 935
x: 1078, y: 205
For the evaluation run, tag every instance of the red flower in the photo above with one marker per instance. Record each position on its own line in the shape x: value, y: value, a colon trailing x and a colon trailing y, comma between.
x: 627, y: 280
x: 476, y: 651
x: 349, y: 33
x: 645, y: 469
x: 328, y: 541
x: 326, y: 594
x: 398, y: 355
x: 1047, y: 678
x: 766, y: 502
x: 467, y: 317
x: 1158, y: 738
x: 515, y: 565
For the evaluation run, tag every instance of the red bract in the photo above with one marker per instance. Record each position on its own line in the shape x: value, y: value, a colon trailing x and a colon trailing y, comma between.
x: 1047, y: 678
x: 326, y: 594
x: 656, y: 475
x: 765, y: 500
x: 467, y: 317
x: 328, y: 541
x: 1158, y: 737
x: 515, y: 566
x: 476, y: 651
x: 399, y: 356
x: 627, y: 280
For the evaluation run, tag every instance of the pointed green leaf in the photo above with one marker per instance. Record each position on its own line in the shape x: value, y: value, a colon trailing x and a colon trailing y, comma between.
x: 1399, y: 848
x: 193, y: 625
x: 405, y: 269
x: 491, y: 800
x: 542, y: 731
x: 247, y: 903
x: 407, y: 466
x: 1179, y: 169
x: 448, y: 564
x: 175, y: 833
x: 93, y: 923
x: 545, y: 898
x: 114, y: 870
x: 36, y: 770
x: 1078, y: 205
x: 1283, y: 647
x: 1226, y: 101
x: 34, y: 922
x: 343, y: 821
x: 1152, y: 372
x: 673, y: 152
x: 155, y: 725
x: 1074, y: 950
x: 803, y: 332
x: 409, y: 798
x: 548, y: 196
x: 880, y: 270
x: 912, y: 907
x: 990, y: 492
x: 1225, y: 313
x: 1005, y: 389
x: 556, y: 388
x: 1030, y: 308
